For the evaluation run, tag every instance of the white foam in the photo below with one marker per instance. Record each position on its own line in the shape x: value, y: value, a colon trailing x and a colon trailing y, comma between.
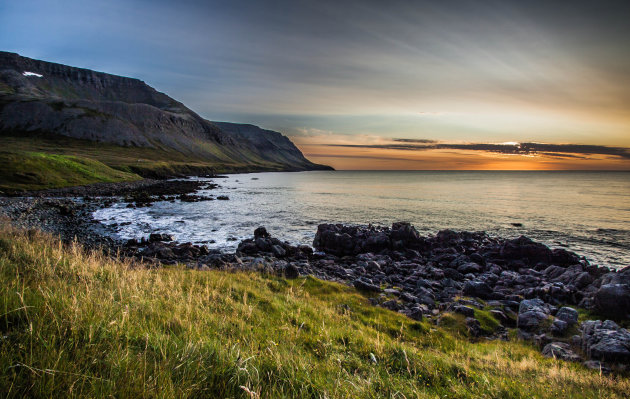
x: 27, y: 73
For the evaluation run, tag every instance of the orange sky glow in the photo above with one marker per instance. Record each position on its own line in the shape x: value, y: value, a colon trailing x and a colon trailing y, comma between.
x: 342, y: 158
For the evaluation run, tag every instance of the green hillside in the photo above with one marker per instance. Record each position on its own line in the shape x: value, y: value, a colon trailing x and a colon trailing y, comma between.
x: 77, y: 324
x: 38, y: 170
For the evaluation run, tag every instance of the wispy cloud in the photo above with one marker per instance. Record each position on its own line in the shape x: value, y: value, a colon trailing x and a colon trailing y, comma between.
x: 539, y: 149
x: 421, y: 141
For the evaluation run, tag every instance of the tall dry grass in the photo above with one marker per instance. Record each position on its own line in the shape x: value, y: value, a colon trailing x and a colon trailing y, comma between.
x: 79, y: 324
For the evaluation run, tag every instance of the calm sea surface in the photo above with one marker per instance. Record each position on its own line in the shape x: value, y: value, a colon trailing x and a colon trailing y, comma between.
x: 586, y: 212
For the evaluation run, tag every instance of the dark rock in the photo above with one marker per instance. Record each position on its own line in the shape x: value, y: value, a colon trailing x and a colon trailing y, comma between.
x: 261, y: 232
x: 469, y: 267
x: 305, y: 249
x: 365, y: 286
x: 477, y: 289
x: 606, y: 341
x: 291, y: 272
x: 278, y: 251
x: 416, y: 314
x: 531, y: 313
x: 560, y: 350
x: 568, y: 315
x: 406, y: 233
x: 613, y: 300
x: 465, y: 310
x: 376, y: 242
x: 552, y: 272
x: 582, y: 280
x: 474, y: 327
x: 563, y: 257
x: 158, y: 237
x: 372, y: 266
x: 263, y: 244
x: 453, y: 274
x: 392, y: 304
x: 542, y: 340
x: 559, y: 327
x: 478, y: 259
x: 165, y: 253
x: 500, y: 316
x: 527, y: 250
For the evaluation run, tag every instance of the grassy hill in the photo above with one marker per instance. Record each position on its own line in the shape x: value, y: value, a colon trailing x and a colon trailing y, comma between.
x: 38, y: 170
x: 80, y: 324
x: 33, y: 161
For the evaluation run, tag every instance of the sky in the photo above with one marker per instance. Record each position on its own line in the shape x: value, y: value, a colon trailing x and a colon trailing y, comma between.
x: 370, y: 84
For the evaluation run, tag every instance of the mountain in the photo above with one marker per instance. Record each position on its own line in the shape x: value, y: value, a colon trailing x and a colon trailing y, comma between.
x: 44, y: 99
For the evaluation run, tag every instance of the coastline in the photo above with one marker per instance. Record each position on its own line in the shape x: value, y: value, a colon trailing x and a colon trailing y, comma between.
x: 494, y: 284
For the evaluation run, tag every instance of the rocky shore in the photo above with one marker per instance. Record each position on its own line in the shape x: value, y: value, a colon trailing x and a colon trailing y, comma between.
x: 496, y: 288
x: 489, y: 284
x: 67, y: 212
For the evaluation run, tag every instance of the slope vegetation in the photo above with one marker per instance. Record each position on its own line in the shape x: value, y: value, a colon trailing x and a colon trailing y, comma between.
x: 37, y: 170
x: 80, y: 324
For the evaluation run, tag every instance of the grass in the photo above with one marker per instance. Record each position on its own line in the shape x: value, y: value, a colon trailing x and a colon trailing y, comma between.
x: 146, y: 162
x: 38, y: 170
x: 489, y: 324
x: 78, y: 324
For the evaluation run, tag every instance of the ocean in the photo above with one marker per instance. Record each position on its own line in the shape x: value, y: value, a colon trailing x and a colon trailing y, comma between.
x: 584, y: 212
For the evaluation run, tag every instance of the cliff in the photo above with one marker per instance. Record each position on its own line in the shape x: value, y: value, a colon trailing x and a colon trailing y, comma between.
x: 54, y: 99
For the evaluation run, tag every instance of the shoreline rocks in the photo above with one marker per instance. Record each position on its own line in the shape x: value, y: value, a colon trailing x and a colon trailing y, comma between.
x: 517, y: 283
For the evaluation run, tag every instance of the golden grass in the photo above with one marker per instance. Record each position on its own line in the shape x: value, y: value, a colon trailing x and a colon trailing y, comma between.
x: 79, y: 324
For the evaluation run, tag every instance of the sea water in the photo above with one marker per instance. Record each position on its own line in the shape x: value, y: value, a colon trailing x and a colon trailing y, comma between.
x: 585, y: 212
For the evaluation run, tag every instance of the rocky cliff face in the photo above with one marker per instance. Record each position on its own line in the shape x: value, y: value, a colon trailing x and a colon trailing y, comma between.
x: 80, y: 103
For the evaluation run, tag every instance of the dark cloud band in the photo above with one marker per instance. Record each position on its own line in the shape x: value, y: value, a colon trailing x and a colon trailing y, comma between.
x: 551, y: 150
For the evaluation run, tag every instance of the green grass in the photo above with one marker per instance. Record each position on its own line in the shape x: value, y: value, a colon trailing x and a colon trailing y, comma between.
x: 80, y: 324
x: 489, y: 324
x: 38, y: 170
x: 146, y: 162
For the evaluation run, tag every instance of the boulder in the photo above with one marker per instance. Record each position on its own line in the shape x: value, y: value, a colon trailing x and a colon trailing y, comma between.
x: 366, y: 286
x: 291, y: 272
x: 606, y: 341
x: 560, y: 350
x: 376, y: 242
x: 568, y: 315
x: 474, y: 327
x: 261, y: 232
x: 531, y: 313
x: 582, y: 280
x: 278, y: 251
x: 334, y: 239
x: 416, y: 314
x: 465, y: 310
x: 478, y: 259
x: 559, y: 327
x: 470, y: 267
x: 525, y: 249
x: 160, y: 237
x: 477, y: 289
x: 613, y: 300
x: 405, y: 232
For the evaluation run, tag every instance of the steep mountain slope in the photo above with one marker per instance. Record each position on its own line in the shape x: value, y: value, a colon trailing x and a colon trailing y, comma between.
x: 55, y: 99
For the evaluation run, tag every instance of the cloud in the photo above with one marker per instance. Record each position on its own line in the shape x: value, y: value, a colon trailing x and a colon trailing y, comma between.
x: 309, y: 132
x: 421, y: 141
x: 540, y: 149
